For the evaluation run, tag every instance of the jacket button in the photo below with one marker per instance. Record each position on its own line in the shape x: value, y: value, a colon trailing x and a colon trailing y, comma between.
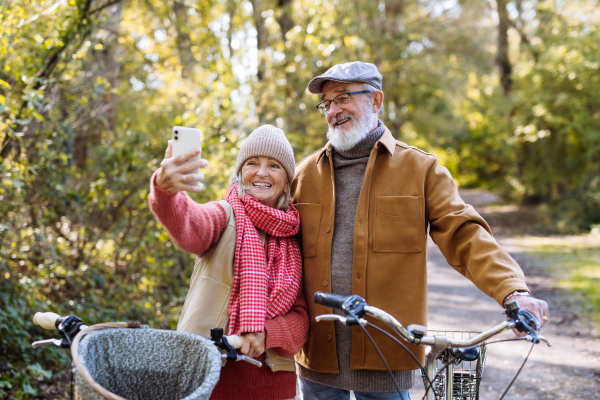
x: 329, y: 337
x: 328, y: 230
x: 325, y: 283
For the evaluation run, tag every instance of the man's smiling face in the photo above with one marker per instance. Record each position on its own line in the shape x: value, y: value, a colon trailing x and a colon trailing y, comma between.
x: 348, y: 123
x: 332, y: 89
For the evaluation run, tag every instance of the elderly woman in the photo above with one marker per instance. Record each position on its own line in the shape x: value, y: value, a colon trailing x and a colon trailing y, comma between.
x: 266, y: 305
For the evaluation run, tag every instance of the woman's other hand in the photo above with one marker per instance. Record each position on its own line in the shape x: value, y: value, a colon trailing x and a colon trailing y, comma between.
x: 254, y: 343
x: 175, y: 174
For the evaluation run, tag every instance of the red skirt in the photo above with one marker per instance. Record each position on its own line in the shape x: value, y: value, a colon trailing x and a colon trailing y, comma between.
x: 244, y: 381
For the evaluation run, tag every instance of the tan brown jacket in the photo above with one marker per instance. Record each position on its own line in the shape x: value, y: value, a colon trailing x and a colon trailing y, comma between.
x: 404, y: 191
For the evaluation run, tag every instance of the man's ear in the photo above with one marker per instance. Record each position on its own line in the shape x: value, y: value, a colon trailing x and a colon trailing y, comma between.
x: 377, y: 101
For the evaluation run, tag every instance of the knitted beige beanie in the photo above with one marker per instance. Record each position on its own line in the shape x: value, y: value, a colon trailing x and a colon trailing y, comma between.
x: 267, y: 141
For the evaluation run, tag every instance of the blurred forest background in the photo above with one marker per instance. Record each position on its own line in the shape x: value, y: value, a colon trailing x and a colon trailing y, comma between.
x: 506, y: 93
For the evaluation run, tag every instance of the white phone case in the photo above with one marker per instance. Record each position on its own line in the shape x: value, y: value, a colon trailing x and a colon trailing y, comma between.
x: 185, y: 140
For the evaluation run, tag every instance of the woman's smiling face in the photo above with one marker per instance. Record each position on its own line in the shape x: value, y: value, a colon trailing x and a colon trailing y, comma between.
x: 265, y: 179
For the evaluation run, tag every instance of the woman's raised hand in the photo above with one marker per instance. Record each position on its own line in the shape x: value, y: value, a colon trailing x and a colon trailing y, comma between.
x: 175, y: 174
x: 254, y: 344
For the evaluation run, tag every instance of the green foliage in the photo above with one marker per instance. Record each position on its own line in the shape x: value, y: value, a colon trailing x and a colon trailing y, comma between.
x: 20, y: 371
x: 557, y: 118
x: 78, y: 149
x: 573, y: 264
x: 89, y: 90
x: 542, y: 143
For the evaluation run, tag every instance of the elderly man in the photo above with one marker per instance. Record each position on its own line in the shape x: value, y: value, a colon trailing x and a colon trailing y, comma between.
x: 365, y: 203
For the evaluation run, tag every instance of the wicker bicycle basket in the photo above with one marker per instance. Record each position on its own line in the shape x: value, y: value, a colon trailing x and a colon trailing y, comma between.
x: 467, y: 374
x: 148, y: 364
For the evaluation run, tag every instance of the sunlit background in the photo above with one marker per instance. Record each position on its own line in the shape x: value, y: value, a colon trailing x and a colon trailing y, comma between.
x: 505, y: 93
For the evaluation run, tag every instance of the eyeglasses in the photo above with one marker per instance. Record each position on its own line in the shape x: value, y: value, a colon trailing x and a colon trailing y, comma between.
x: 343, y: 98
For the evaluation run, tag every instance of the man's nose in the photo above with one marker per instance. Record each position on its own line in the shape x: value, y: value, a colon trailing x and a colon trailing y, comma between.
x: 334, y: 109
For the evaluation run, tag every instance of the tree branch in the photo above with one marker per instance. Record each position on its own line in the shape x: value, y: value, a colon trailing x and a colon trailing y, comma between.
x: 102, y: 7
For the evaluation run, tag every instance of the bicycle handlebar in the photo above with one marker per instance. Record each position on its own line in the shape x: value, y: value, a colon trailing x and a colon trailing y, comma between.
x: 47, y: 320
x: 70, y: 326
x: 235, y: 340
x: 51, y: 321
x: 329, y: 299
x: 356, y: 307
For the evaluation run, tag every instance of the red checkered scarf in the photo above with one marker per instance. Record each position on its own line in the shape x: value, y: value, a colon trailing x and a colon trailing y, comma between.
x: 264, y: 286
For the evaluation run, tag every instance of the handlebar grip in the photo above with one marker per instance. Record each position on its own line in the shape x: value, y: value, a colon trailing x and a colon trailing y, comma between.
x: 329, y: 299
x: 235, y: 340
x: 46, y: 320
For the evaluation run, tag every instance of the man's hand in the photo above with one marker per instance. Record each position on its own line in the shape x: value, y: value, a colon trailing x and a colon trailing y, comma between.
x: 175, y: 173
x: 538, y: 308
x: 254, y: 344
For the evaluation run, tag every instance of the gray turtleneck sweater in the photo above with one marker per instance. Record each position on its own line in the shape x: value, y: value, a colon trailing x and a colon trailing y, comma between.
x: 349, y: 169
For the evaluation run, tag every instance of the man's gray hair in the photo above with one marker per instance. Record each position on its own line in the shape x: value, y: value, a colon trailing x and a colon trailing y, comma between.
x: 284, y: 200
x: 370, y: 88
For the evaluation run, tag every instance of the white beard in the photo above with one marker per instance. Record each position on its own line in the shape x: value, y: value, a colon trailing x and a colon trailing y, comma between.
x: 345, y: 139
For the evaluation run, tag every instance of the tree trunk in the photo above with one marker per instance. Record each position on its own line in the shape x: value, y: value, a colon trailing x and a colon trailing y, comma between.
x: 285, y: 19
x: 106, y: 66
x: 231, y: 7
x: 393, y: 15
x: 261, y: 44
x: 261, y: 38
x: 502, y: 56
x: 111, y: 65
x: 184, y: 43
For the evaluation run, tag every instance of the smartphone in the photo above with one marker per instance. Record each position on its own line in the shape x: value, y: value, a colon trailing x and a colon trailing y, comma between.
x: 185, y: 140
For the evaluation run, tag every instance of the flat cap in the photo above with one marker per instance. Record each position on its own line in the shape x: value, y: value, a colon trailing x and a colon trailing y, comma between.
x: 349, y: 72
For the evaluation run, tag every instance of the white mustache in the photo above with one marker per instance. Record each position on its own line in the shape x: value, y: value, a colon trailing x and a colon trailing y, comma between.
x: 341, y: 117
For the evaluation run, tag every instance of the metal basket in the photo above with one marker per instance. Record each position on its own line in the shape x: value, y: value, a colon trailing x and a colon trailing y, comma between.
x: 467, y: 374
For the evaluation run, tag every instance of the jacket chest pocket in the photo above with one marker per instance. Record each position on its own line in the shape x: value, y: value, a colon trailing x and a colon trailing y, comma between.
x: 399, y: 225
x: 310, y: 220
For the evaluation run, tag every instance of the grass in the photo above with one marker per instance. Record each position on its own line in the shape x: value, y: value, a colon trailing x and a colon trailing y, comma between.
x: 572, y: 261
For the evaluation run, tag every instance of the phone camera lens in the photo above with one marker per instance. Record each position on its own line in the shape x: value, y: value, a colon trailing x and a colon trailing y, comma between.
x: 176, y: 137
x: 176, y: 131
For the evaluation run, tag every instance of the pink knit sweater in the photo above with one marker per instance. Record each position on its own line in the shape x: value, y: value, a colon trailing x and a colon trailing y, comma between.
x: 195, y: 228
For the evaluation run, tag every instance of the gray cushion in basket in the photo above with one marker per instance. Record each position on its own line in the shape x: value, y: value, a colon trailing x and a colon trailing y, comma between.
x: 149, y: 364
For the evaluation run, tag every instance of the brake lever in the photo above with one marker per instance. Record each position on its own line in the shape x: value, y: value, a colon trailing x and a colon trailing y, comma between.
x: 343, y: 320
x: 528, y: 323
x: 524, y: 321
x: 543, y: 339
x: 249, y: 360
x: 539, y: 338
x: 216, y: 335
x: 47, y: 342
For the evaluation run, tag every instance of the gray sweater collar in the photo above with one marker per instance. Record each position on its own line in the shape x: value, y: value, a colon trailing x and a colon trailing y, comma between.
x: 364, y: 147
